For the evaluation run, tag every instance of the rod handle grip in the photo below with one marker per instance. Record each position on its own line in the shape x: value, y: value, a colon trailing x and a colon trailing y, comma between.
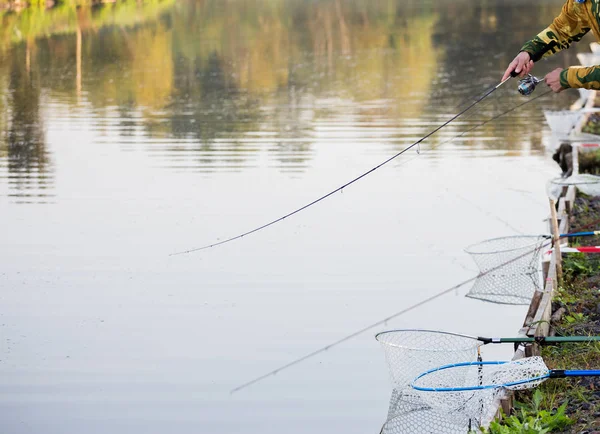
x: 561, y: 373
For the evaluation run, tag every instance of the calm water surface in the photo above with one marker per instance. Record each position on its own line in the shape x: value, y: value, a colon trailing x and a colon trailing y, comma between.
x: 129, y: 133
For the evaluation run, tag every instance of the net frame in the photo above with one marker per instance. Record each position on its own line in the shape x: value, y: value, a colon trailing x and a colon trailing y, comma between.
x: 509, y: 268
x: 584, y: 182
x: 445, y: 389
x: 514, y: 384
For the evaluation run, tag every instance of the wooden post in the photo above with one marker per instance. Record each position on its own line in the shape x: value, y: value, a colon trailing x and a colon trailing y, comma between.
x: 78, y: 60
x: 556, y: 239
x: 570, y: 200
x: 28, y: 57
x: 507, y: 404
x: 545, y: 270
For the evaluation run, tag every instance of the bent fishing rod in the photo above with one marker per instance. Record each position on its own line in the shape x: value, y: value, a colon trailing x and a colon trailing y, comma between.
x: 526, y: 87
x: 381, y: 322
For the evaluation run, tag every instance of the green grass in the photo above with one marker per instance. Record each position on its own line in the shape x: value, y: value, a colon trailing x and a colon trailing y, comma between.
x: 532, y: 417
x: 567, y: 405
x: 589, y: 161
x: 575, y: 398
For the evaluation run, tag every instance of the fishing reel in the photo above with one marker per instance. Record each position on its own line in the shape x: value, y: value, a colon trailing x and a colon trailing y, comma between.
x: 527, y: 84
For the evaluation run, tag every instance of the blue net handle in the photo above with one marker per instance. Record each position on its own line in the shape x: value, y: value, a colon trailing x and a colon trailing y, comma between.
x: 541, y: 376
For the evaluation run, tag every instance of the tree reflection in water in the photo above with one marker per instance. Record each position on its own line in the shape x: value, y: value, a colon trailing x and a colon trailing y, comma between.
x: 214, y: 83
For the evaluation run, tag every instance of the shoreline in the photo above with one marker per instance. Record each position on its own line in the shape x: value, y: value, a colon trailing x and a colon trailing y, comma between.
x: 567, y: 306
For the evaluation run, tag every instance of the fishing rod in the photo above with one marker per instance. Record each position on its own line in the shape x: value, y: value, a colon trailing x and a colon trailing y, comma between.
x: 582, y: 249
x: 579, y: 234
x: 573, y: 234
x: 526, y: 87
x: 539, y: 340
x: 379, y: 323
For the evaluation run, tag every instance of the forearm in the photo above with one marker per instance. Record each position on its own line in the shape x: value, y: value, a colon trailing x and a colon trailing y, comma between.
x: 549, y: 42
x: 567, y: 28
x: 581, y: 77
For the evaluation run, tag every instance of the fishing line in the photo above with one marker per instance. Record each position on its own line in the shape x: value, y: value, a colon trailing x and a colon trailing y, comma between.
x: 381, y: 322
x: 418, y: 142
x: 433, y: 147
x: 486, y: 212
x: 415, y: 306
x: 470, y: 99
x: 589, y: 225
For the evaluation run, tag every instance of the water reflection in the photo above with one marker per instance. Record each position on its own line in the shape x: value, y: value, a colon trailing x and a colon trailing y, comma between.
x: 211, y: 85
x: 131, y: 117
x: 26, y: 162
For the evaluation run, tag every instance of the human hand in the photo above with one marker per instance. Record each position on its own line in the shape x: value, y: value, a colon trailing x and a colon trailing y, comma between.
x: 522, y: 65
x: 552, y: 79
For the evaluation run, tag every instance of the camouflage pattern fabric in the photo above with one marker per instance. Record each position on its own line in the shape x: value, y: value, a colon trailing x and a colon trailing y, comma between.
x: 573, y: 23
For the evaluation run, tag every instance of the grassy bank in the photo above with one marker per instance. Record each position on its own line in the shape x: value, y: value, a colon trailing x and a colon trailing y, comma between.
x: 577, y: 312
x: 568, y: 405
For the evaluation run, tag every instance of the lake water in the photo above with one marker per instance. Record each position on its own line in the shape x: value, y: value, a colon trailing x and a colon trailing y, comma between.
x: 130, y: 133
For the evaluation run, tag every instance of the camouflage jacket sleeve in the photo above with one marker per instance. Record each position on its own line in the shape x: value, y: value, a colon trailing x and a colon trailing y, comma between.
x: 570, y: 26
x: 581, y: 77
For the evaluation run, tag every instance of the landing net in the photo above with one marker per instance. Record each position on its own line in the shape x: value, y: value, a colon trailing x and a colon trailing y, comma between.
x: 509, y: 269
x: 562, y: 122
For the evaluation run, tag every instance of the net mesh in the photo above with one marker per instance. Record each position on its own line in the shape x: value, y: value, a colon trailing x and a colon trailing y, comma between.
x: 411, y: 352
x: 408, y: 353
x: 477, y: 405
x: 562, y: 122
x: 509, y: 269
x: 410, y: 417
x: 585, y: 183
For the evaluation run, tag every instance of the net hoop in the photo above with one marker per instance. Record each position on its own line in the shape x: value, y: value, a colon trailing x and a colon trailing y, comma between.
x: 580, y: 179
x: 586, y: 183
x: 382, y: 335
x: 409, y: 352
x: 534, y: 240
x: 477, y: 387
